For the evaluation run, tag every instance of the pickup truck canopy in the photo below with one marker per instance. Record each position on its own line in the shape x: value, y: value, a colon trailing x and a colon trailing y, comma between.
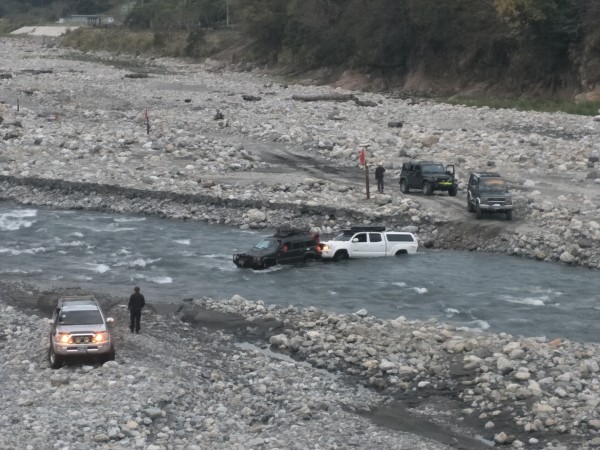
x: 353, y: 230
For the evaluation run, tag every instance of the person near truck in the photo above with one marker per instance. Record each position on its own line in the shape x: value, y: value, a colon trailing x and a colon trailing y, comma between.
x: 379, y: 171
x: 135, y: 305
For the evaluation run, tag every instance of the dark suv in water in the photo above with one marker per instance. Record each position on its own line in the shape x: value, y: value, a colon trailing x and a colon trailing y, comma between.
x: 284, y: 247
x: 428, y: 176
x: 488, y: 192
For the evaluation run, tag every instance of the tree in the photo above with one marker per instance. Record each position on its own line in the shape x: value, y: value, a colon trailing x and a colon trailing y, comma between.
x: 265, y: 21
x: 176, y: 14
x: 545, y: 30
x: 314, y: 35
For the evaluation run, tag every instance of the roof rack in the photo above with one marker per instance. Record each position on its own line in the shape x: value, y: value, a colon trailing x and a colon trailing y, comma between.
x: 364, y: 228
x: 77, y: 298
x: 287, y: 232
x: 488, y: 174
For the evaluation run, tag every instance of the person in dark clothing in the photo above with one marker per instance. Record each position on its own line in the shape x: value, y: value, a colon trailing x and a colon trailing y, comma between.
x: 379, y: 177
x: 135, y: 305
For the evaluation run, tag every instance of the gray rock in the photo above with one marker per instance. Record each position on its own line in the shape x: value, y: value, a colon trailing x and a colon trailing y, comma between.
x: 567, y: 257
x: 154, y: 413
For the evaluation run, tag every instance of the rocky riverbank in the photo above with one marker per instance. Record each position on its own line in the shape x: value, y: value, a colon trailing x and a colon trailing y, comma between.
x: 240, y: 148
x: 74, y: 135
x: 174, y: 387
x: 218, y: 374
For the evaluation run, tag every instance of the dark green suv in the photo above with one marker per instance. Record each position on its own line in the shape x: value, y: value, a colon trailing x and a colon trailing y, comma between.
x: 488, y: 192
x: 284, y: 247
x: 428, y: 176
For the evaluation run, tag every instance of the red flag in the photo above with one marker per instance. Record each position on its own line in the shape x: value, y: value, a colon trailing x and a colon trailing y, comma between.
x: 361, y: 158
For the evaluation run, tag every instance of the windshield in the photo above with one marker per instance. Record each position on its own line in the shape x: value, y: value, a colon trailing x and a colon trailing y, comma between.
x: 433, y: 168
x: 343, y: 237
x: 86, y: 317
x: 493, y: 184
x: 265, y: 244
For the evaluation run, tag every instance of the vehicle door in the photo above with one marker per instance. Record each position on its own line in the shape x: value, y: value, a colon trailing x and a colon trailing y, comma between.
x: 472, y: 189
x: 285, y: 253
x: 476, y: 190
x: 359, y: 246
x: 55, y: 316
x: 296, y: 252
x: 416, y: 180
x: 376, y: 245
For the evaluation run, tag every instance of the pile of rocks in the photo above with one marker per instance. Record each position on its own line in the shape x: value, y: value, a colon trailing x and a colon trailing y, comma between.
x: 539, y: 390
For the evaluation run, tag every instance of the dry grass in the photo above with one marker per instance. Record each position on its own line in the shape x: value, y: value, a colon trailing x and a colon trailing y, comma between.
x: 146, y: 43
x: 529, y: 104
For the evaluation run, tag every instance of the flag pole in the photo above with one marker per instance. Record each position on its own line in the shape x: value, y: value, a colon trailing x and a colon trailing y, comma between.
x: 367, y: 180
x: 363, y: 157
x: 147, y: 121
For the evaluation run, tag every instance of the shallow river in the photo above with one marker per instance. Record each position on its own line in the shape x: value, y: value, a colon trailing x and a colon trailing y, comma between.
x: 172, y: 260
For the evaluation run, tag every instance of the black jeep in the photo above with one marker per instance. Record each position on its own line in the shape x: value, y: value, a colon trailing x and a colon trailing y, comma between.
x: 488, y: 192
x: 428, y: 176
x: 284, y: 247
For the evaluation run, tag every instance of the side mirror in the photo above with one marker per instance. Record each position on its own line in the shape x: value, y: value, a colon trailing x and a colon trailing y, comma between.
x: 354, y: 239
x: 110, y: 321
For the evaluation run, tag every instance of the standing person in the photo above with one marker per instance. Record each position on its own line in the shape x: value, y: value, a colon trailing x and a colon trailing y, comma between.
x: 136, y: 303
x: 379, y: 177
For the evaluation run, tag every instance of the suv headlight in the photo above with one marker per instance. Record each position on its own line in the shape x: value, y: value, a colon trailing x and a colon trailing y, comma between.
x: 63, y: 338
x: 100, y: 337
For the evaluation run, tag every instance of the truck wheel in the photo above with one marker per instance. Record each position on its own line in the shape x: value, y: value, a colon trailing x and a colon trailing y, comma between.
x: 427, y: 188
x: 401, y: 252
x: 404, y: 186
x: 268, y: 263
x: 470, y: 206
x: 310, y: 257
x: 111, y: 354
x: 509, y: 215
x: 478, y: 212
x: 341, y: 256
x: 55, y: 361
x: 452, y: 191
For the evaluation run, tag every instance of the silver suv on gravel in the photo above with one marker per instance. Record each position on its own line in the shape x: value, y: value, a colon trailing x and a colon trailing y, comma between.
x: 79, y: 329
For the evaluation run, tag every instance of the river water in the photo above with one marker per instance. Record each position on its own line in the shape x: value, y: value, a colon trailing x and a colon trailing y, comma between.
x: 171, y: 260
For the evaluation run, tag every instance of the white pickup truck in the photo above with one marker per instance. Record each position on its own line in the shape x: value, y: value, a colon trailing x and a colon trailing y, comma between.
x: 368, y: 242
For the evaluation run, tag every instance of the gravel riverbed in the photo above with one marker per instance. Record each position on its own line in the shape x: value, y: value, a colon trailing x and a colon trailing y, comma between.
x: 205, y: 375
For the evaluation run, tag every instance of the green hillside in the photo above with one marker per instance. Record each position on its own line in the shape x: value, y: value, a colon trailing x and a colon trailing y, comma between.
x: 540, y: 47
